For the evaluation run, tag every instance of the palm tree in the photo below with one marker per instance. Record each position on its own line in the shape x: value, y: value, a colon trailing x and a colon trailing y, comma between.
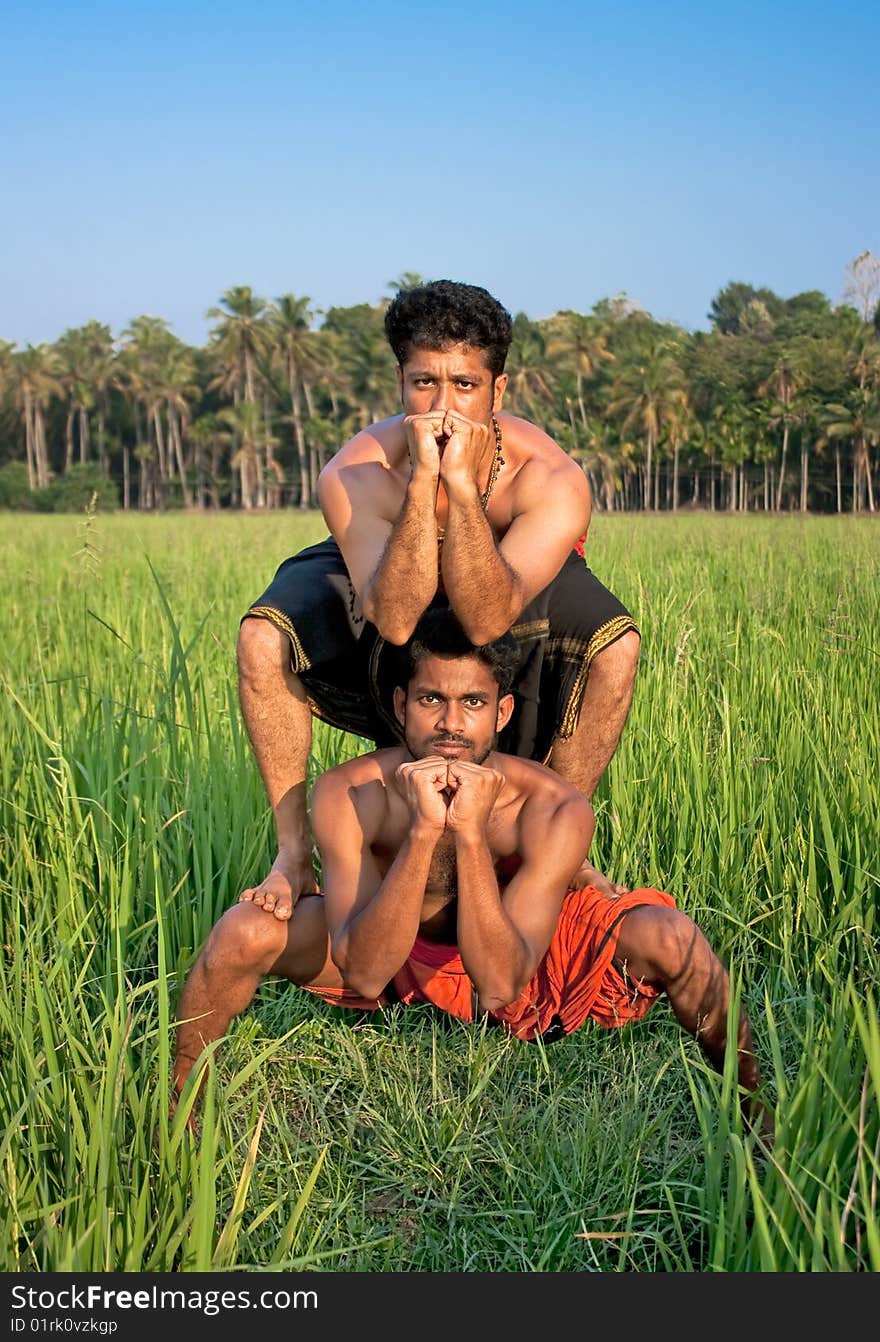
x: 529, y: 388
x: 209, y: 440
x: 681, y: 427
x: 75, y: 358
x: 858, y: 421
x: 245, y: 423
x: 579, y: 342
x: 176, y: 380
x: 141, y: 372
x: 37, y: 373
x: 98, y: 340
x: 786, y: 377
x: 241, y: 343
x: 290, y: 321
x: 647, y: 393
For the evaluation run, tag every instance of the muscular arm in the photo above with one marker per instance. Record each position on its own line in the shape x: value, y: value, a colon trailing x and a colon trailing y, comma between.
x: 488, y: 584
x: 503, y: 938
x: 389, y: 546
x: 372, y: 921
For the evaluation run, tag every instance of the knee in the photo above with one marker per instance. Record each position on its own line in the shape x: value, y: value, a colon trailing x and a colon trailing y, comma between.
x: 246, y: 939
x: 659, y: 943
x: 619, y: 662
x: 678, y: 945
x: 263, y: 650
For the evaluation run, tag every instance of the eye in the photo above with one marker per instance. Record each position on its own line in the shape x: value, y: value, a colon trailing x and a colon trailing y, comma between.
x: 474, y: 703
x: 428, y: 699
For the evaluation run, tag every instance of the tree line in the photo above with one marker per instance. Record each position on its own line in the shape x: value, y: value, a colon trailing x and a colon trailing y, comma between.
x: 775, y: 407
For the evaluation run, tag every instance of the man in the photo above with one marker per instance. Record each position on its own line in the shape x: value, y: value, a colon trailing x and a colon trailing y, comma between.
x: 450, y: 501
x: 446, y: 869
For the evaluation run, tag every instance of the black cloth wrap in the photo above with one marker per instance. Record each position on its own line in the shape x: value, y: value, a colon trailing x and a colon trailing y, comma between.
x: 349, y: 671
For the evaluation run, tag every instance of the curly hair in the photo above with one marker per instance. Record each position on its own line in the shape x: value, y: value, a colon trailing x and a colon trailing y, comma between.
x: 439, y: 634
x: 443, y: 313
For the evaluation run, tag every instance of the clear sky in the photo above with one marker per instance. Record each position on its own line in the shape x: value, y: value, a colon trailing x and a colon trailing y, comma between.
x: 153, y: 155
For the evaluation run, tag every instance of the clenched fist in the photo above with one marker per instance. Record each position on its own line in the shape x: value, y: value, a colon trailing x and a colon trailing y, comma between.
x: 467, y: 445
x: 425, y: 436
x: 423, y: 783
x: 475, y: 790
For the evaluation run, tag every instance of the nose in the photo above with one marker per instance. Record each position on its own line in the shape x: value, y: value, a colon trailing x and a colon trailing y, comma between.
x: 441, y: 398
x: 451, y: 718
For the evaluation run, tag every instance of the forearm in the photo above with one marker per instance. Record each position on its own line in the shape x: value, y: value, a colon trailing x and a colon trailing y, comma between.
x: 405, y: 579
x: 492, y: 950
x: 376, y: 941
x: 482, y: 588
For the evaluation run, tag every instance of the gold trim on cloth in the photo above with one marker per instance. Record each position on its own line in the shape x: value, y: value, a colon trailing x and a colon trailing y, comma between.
x: 606, y: 634
x: 531, y: 629
x: 300, y: 660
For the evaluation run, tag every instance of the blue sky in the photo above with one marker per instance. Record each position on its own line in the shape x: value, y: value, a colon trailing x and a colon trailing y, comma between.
x: 155, y: 155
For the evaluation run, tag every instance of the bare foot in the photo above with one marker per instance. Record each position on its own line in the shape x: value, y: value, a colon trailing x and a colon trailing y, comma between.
x: 292, y: 875
x: 587, y: 874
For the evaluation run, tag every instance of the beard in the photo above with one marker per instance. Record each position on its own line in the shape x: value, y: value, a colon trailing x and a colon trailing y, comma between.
x: 420, y: 750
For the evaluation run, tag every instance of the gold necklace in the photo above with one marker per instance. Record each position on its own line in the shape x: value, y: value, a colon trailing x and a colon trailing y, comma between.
x: 497, y: 463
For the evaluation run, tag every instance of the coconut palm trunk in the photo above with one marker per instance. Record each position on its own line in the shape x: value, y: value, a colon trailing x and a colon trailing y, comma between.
x: 41, y: 453
x: 804, y: 476
x: 176, y: 443
x: 781, y: 484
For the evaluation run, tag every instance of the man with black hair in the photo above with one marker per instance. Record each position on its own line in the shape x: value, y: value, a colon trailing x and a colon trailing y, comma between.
x: 446, y: 868
x: 452, y: 502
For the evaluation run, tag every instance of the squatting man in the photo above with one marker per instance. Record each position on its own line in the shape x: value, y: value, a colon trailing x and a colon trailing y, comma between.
x: 446, y: 880
x: 453, y: 500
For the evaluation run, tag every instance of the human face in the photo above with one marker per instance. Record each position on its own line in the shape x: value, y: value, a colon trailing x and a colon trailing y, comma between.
x: 456, y: 378
x: 451, y: 708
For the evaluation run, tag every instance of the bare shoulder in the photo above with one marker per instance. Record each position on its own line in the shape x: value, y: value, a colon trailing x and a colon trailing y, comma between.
x: 538, y: 461
x: 379, y: 443
x: 363, y: 472
x: 356, y: 787
x: 544, y: 795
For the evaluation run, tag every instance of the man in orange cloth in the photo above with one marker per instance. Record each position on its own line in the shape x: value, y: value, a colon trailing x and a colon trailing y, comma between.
x: 446, y: 880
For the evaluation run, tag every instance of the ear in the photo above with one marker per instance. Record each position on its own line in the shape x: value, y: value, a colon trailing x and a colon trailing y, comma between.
x: 505, y: 711
x: 399, y: 703
x: 399, y: 371
x: 498, y: 391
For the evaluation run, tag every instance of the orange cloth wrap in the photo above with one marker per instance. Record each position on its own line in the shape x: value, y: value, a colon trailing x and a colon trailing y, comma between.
x: 576, y: 981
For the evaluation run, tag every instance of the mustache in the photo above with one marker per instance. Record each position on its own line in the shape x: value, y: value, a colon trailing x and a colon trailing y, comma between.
x: 451, y: 741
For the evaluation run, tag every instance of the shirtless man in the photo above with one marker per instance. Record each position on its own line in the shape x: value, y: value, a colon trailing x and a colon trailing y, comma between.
x: 446, y: 870
x: 508, y: 510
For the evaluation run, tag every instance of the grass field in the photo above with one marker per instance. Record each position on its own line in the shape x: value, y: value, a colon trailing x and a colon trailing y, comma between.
x: 747, y: 784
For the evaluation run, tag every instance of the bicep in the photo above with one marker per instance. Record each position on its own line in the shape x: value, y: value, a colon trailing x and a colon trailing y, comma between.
x: 350, y: 875
x: 541, y: 537
x: 358, y: 526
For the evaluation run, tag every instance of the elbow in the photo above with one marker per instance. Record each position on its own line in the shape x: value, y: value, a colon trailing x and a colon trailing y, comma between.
x: 485, y: 626
x: 365, y: 985
x: 357, y: 978
x: 497, y: 993
x: 388, y: 622
x: 482, y: 631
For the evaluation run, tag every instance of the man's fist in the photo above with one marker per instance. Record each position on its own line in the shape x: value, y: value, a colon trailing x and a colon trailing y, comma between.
x: 466, y: 445
x: 424, y: 436
x: 423, y: 783
x: 475, y: 790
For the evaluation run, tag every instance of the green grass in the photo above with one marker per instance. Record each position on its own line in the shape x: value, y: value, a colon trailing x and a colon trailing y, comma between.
x: 746, y: 783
